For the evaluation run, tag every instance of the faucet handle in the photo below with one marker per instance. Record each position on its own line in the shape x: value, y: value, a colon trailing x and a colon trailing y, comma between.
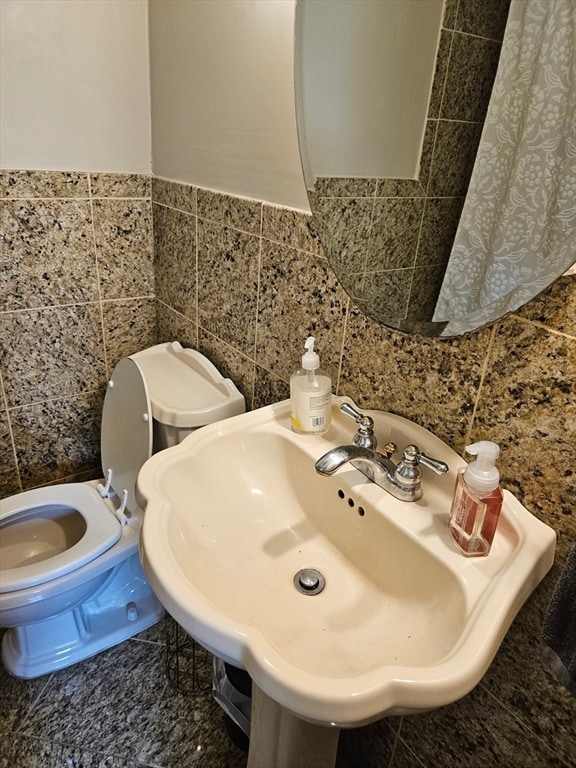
x: 365, y: 437
x: 413, y: 456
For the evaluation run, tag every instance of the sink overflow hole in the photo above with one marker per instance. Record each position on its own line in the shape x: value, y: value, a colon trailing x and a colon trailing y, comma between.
x: 309, y: 581
x: 351, y: 502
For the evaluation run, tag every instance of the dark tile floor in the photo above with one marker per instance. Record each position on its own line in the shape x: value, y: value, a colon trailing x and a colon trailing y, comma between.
x: 120, y: 710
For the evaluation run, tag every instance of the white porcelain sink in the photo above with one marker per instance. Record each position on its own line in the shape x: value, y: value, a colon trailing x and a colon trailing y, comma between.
x: 405, y: 623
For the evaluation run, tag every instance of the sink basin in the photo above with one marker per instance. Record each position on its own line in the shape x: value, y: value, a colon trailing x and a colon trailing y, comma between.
x: 404, y: 623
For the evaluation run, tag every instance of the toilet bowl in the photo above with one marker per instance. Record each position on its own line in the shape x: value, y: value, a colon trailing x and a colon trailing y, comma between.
x: 71, y: 582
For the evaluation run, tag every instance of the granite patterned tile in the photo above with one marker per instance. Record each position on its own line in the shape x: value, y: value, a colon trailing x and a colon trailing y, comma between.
x: 439, y: 225
x: 104, y: 704
x: 471, y: 73
x: 454, y: 156
x: 175, y: 267
x: 476, y: 731
x: 269, y: 389
x: 292, y: 228
x: 49, y: 337
x: 120, y: 185
x: 57, y: 438
x: 369, y: 747
x: 299, y: 296
x: 188, y: 730
x: 9, y: 480
x: 129, y: 326
x: 123, y: 234
x: 231, y: 363
x: 523, y: 684
x: 174, y: 195
x: 28, y: 752
x: 394, y: 235
x: 333, y: 186
x: 442, y: 59
x: 378, y: 366
x: 228, y: 262
x: 424, y: 292
x: 41, y: 184
x: 236, y: 212
x: 450, y: 9
x: 487, y: 19
x: 385, y: 294
x: 555, y: 307
x: 527, y: 406
x: 172, y: 326
x: 344, y: 226
x: 47, y: 253
x: 18, y: 698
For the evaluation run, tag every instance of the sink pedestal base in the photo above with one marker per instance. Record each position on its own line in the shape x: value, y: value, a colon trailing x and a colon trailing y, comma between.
x: 280, y: 739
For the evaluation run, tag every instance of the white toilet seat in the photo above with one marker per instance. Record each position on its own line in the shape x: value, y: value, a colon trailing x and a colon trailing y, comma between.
x: 102, y: 531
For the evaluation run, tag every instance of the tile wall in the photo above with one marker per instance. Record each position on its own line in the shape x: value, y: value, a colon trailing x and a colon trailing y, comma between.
x: 76, y: 295
x: 389, y: 239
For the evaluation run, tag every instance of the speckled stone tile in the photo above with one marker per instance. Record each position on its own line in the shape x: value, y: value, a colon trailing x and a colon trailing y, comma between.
x: 299, y: 296
x: 174, y: 195
x: 129, y: 326
x: 439, y: 225
x: 344, y: 226
x: 50, y: 338
x: 473, y: 64
x: 442, y: 59
x: 432, y: 382
x: 523, y: 684
x: 57, y: 438
x: 9, y: 481
x: 230, y: 363
x: 18, y: 698
x: 27, y: 184
x: 123, y: 232
x: 290, y: 228
x: 424, y: 291
x: 175, y: 259
x: 328, y: 186
x: 172, y: 326
x: 47, y: 253
x: 228, y: 262
x: 188, y: 730
x: 28, y: 752
x: 236, y: 212
x: 477, y: 732
x: 555, y: 307
x: 269, y: 389
x: 487, y: 19
x: 450, y: 8
x: 394, y: 235
x: 384, y: 294
x: 454, y: 156
x: 369, y: 747
x: 91, y: 707
x: 527, y: 406
x: 120, y: 185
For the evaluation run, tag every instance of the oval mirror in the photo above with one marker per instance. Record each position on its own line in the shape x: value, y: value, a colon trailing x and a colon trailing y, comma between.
x: 387, y: 210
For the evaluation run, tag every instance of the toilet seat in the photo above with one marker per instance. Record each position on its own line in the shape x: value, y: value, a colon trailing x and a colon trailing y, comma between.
x: 102, y: 531
x: 126, y: 443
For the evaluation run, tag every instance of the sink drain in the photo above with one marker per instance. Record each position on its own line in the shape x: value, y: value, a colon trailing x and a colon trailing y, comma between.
x: 309, y: 581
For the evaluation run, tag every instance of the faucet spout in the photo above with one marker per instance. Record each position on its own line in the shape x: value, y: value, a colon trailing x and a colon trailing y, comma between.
x: 375, y: 466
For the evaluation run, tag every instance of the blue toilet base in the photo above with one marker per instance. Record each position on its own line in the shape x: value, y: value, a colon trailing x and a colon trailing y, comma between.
x: 121, y: 607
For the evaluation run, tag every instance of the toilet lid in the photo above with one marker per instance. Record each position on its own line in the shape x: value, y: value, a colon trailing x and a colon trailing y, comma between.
x: 126, y: 441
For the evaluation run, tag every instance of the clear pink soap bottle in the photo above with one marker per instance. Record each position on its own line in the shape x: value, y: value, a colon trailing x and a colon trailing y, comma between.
x: 477, y: 501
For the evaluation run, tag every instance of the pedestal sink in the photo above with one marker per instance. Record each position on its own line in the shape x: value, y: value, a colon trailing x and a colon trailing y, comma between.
x: 402, y: 622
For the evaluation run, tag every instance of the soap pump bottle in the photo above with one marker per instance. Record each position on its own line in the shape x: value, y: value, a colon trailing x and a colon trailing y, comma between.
x: 310, y: 395
x: 477, y: 501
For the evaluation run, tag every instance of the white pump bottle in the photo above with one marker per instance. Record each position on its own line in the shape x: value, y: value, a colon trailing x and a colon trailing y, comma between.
x: 310, y: 395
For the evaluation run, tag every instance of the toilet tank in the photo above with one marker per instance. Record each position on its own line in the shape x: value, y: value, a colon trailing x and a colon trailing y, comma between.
x: 186, y: 391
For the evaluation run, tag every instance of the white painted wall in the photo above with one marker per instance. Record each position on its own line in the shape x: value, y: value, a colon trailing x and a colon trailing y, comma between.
x: 222, y: 83
x: 74, y: 85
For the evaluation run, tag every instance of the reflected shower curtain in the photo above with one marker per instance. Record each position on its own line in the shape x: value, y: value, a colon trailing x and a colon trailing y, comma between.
x: 518, y: 225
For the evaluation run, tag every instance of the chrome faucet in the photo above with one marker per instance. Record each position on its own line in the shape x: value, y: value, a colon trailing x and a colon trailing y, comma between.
x: 403, y: 480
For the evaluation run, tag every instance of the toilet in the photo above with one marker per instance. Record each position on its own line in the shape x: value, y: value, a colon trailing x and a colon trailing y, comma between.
x: 71, y: 582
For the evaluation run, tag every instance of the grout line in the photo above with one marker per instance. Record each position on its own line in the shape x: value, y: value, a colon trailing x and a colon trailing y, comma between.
x: 343, y: 344
x: 98, y: 283
x: 11, y: 432
x: 483, y: 373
